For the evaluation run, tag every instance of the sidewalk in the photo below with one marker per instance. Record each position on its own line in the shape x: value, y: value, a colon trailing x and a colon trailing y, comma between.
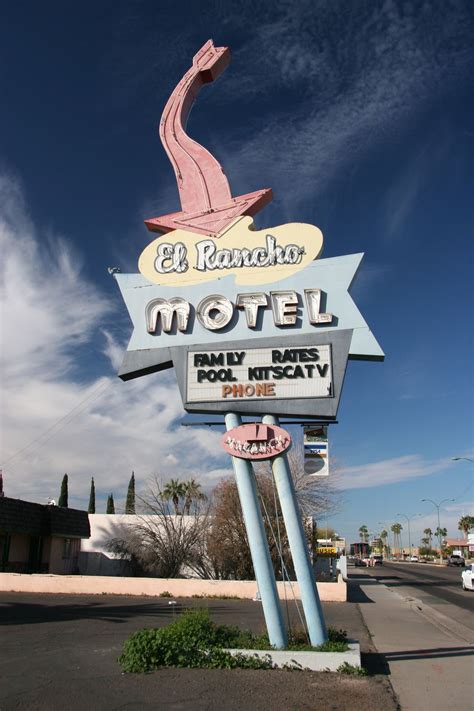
x: 430, y: 657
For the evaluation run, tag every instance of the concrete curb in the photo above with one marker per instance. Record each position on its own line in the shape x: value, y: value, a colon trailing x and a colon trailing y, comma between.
x: 313, y: 661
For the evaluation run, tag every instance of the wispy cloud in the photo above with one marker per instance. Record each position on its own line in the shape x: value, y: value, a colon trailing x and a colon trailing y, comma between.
x: 390, y: 471
x: 54, y: 420
x: 340, y: 96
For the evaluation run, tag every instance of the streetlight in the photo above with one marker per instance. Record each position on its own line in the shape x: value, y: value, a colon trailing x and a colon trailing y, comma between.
x: 409, y: 518
x: 466, y: 459
x: 439, y: 525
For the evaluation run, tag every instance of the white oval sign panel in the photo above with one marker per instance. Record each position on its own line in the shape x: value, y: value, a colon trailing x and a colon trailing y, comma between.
x: 256, y: 441
x: 182, y: 258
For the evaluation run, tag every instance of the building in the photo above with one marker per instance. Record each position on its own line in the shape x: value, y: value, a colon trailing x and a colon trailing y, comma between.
x: 38, y: 538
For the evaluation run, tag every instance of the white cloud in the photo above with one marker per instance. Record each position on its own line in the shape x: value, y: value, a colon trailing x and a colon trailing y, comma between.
x: 52, y: 421
x: 390, y: 471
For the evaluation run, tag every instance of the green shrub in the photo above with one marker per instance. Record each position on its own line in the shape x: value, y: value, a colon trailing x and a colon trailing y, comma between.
x: 193, y: 640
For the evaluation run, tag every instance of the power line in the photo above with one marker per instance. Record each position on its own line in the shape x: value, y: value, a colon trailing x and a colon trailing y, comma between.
x: 65, y: 419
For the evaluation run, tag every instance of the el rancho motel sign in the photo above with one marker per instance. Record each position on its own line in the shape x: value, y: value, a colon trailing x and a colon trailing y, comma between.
x: 253, y: 321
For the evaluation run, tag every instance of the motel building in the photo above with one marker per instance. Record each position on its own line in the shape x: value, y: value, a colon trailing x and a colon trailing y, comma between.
x: 40, y: 538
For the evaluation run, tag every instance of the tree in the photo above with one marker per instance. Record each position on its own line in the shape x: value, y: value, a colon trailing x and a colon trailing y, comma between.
x: 227, y: 543
x: 364, y: 534
x: 192, y: 493
x: 397, y: 529
x: 164, y: 545
x: 441, y: 533
x: 429, y: 534
x: 465, y: 524
x: 174, y: 491
x: 383, y: 538
x: 130, y: 502
x: 91, y: 508
x: 63, y: 496
x: 110, y: 504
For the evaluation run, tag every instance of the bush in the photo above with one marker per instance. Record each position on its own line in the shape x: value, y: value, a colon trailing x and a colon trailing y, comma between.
x: 194, y: 641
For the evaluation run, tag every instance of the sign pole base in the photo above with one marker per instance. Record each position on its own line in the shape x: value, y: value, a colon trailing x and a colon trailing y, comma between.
x: 247, y: 488
x: 298, y: 546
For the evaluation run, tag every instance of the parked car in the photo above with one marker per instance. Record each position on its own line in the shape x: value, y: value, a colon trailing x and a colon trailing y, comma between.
x: 455, y: 560
x: 359, y: 563
x: 467, y: 578
x: 414, y: 559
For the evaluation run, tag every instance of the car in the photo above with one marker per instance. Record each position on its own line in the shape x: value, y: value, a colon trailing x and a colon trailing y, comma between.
x: 414, y: 559
x: 359, y: 563
x: 455, y: 560
x: 377, y: 559
x: 467, y: 578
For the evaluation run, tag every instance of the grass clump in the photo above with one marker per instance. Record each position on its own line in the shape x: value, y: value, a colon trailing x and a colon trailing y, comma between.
x: 194, y: 641
x: 352, y: 670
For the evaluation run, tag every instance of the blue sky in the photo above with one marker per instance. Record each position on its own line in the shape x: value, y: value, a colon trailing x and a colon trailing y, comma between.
x: 357, y: 114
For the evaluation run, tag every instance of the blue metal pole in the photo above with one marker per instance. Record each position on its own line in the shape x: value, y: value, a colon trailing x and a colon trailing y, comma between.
x: 261, y: 560
x: 298, y: 545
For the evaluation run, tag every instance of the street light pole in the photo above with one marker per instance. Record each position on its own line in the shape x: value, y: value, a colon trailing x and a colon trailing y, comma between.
x: 466, y: 459
x: 439, y: 524
x: 408, y: 518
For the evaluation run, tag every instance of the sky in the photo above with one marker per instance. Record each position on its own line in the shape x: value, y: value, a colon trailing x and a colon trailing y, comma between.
x: 357, y: 114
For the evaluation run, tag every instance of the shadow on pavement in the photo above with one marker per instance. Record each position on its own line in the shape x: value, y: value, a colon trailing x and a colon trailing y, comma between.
x: 27, y: 613
x: 354, y: 591
x: 435, y: 653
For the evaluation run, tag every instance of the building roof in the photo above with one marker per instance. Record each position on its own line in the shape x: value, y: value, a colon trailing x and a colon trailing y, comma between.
x: 453, y: 542
x: 17, y: 516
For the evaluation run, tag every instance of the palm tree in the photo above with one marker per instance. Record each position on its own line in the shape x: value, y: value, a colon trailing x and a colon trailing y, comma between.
x: 429, y: 534
x: 192, y: 492
x: 383, y: 538
x: 441, y: 533
x: 396, y: 529
x: 465, y: 524
x: 364, y: 534
x: 426, y: 542
x: 174, y: 491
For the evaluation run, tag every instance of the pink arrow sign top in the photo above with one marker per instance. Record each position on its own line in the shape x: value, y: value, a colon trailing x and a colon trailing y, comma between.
x: 206, y: 200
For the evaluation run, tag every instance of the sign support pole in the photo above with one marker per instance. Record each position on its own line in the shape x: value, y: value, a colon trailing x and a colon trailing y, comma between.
x: 299, y: 548
x: 261, y: 560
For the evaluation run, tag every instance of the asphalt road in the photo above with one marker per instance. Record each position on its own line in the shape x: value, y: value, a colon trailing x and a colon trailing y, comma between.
x: 439, y: 587
x: 60, y: 651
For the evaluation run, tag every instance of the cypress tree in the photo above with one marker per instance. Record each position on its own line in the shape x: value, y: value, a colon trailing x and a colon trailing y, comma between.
x: 130, y: 503
x: 110, y: 505
x: 63, y: 496
x: 91, y: 508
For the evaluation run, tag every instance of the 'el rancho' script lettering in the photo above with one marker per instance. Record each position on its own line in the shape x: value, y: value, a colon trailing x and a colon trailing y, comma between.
x: 254, y: 257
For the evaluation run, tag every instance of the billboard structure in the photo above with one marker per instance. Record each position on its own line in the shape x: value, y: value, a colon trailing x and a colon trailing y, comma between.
x: 253, y: 322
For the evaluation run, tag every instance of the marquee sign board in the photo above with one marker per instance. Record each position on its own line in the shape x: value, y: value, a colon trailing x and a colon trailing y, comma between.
x: 249, y: 396
x: 266, y: 373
